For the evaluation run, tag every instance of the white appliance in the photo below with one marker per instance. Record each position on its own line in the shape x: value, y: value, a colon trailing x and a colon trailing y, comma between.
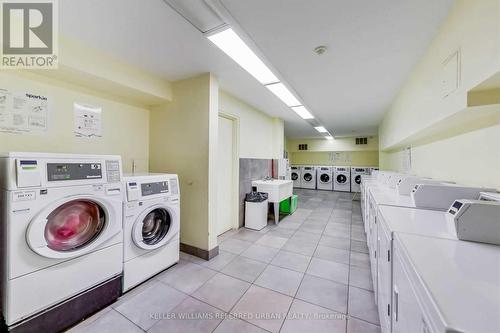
x: 62, y: 233
x: 308, y: 180
x: 356, y: 173
x: 342, y: 179
x: 444, y: 285
x: 151, y: 225
x: 281, y: 169
x: 437, y: 196
x: 406, y: 185
x: 295, y: 176
x: 325, y: 178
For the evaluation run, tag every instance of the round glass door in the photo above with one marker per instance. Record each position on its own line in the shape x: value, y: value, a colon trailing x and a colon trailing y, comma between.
x: 357, y: 179
x: 155, y: 226
x: 308, y: 177
x: 324, y: 178
x: 295, y: 176
x: 341, y: 179
x: 74, y: 225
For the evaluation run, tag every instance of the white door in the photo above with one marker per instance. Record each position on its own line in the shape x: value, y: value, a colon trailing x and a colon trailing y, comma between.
x: 226, y: 167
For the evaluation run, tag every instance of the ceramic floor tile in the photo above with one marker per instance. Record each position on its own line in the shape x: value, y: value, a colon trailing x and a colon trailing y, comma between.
x: 325, y: 293
x: 362, y: 305
x: 234, y: 245
x: 272, y: 241
x: 340, y: 220
x: 158, y: 298
x: 260, y: 253
x: 221, y: 291
x: 220, y: 261
x: 332, y: 254
x: 358, y: 235
x: 360, y: 259
x: 329, y: 270
x: 244, y: 268
x: 110, y: 322
x: 335, y: 242
x: 280, y: 279
x: 282, y: 232
x: 306, y: 236
x: 257, y: 301
x: 191, y: 258
x: 188, y: 278
x: 312, y: 228
x: 290, y: 260
x: 190, y: 316
x: 306, y: 248
x: 358, y: 326
x: 358, y: 246
x: 247, y: 235
x: 237, y: 326
x: 305, y: 317
x: 332, y: 232
x: 361, y: 278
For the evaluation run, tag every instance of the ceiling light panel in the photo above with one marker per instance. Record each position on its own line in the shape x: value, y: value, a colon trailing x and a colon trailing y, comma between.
x: 231, y: 44
x: 329, y: 137
x: 321, y: 129
x: 303, y: 112
x: 282, y: 92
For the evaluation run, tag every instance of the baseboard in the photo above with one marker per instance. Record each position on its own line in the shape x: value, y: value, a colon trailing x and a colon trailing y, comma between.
x: 200, y: 253
x: 72, y: 311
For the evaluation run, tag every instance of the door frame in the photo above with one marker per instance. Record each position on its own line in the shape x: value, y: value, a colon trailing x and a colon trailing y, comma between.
x: 235, y: 195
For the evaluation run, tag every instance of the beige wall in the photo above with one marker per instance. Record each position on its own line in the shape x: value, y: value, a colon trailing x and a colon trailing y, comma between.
x: 182, y: 136
x: 125, y: 126
x: 260, y: 136
x: 467, y: 152
x: 320, y: 150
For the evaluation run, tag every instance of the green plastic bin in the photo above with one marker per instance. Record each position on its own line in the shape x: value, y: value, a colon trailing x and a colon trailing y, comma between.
x: 289, y: 206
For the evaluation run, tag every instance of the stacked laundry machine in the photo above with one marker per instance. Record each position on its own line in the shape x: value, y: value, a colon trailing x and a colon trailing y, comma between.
x: 73, y: 239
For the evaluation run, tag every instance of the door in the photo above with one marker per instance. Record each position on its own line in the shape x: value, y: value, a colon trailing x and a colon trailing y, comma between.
x: 226, y: 194
x: 151, y: 230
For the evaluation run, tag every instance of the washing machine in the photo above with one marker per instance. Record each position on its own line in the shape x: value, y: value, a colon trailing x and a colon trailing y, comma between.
x: 342, y: 179
x: 356, y: 173
x: 325, y: 176
x: 151, y: 224
x: 62, y: 245
x: 308, y: 180
x: 295, y: 175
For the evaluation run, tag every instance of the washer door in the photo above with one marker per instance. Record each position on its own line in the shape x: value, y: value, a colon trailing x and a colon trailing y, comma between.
x: 341, y: 179
x: 307, y: 177
x: 153, y: 228
x: 324, y: 178
x: 71, y: 228
x: 295, y: 176
x: 357, y: 179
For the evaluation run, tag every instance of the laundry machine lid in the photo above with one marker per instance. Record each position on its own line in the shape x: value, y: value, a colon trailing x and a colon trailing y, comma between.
x: 72, y: 227
x: 325, y: 178
x: 307, y: 177
x: 154, y: 227
x: 341, y: 179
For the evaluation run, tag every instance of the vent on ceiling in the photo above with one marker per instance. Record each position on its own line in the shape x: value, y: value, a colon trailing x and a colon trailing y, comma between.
x: 303, y: 146
x: 361, y: 141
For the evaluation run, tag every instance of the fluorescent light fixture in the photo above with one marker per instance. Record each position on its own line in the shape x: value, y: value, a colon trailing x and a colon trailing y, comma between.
x: 321, y: 129
x: 231, y: 44
x: 282, y: 92
x: 303, y: 112
x: 329, y: 137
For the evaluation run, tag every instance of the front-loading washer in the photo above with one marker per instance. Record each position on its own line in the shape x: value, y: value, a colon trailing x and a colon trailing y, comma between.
x: 62, y: 237
x: 356, y: 173
x: 295, y: 175
x: 151, y: 224
x: 324, y: 178
x: 308, y: 180
x: 342, y: 179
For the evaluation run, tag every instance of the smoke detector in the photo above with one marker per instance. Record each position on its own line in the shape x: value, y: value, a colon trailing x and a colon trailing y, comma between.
x: 319, y: 50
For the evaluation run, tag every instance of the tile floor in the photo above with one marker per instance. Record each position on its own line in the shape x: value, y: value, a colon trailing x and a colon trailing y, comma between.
x: 308, y: 274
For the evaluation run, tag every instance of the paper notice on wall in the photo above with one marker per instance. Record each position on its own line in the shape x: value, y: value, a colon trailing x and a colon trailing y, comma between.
x: 88, y: 121
x: 23, y: 113
x: 341, y: 158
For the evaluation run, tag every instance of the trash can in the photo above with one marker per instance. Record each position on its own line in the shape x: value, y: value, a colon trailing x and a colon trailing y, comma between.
x: 256, y: 208
x: 289, y: 206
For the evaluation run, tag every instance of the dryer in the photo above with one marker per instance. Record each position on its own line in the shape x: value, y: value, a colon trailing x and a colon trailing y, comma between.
x: 356, y: 173
x: 62, y: 237
x: 295, y: 176
x: 151, y: 224
x: 324, y: 178
x: 308, y: 177
x: 342, y: 179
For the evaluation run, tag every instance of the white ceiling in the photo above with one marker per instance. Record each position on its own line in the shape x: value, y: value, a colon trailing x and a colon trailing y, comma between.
x: 373, y: 45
